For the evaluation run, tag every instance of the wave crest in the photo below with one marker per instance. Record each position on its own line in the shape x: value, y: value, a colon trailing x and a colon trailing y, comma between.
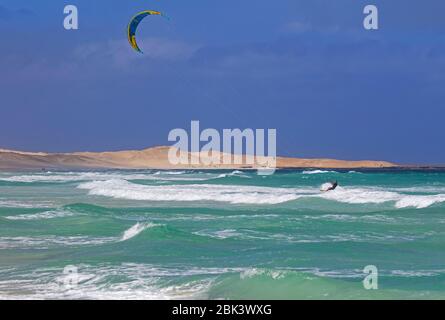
x: 237, y: 194
x: 136, y: 229
x: 317, y: 171
x: 122, y: 189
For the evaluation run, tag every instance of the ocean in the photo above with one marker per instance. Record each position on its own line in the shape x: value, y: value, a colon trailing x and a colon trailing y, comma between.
x: 149, y: 234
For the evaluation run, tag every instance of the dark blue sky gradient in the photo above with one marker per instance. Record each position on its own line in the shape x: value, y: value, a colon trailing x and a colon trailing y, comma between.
x: 307, y: 68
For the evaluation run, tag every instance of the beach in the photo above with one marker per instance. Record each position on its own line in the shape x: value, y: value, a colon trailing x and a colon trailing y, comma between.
x: 155, y: 158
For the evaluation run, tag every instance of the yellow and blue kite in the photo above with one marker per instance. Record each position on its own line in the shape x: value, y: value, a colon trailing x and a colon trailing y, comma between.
x: 133, y: 25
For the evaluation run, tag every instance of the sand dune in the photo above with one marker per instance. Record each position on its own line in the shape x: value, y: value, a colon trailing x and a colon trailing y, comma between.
x: 152, y: 158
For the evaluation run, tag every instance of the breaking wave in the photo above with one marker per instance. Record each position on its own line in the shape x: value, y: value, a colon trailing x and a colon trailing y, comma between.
x: 61, y: 177
x: 317, y: 171
x: 122, y: 189
x: 25, y: 204
x: 125, y: 281
x: 151, y: 282
x: 136, y: 229
x: 47, y: 242
x: 369, y: 237
x: 52, y: 214
x: 364, y: 196
x: 237, y: 194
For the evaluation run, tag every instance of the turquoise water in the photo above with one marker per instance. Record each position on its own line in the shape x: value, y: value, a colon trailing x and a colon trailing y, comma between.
x: 221, y: 235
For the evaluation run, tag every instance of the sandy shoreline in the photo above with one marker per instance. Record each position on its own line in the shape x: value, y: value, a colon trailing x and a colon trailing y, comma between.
x: 152, y: 158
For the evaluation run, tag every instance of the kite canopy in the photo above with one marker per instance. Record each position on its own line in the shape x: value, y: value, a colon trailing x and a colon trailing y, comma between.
x: 133, y: 25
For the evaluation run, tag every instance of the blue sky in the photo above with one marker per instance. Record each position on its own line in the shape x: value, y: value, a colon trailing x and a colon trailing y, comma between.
x: 306, y: 68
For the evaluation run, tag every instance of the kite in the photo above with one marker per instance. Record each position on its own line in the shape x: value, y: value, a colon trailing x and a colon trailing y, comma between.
x: 133, y: 25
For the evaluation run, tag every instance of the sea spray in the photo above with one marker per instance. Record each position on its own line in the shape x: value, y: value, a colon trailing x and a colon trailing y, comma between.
x: 136, y: 229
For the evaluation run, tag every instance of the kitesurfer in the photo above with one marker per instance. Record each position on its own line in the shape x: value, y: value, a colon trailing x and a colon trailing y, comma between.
x: 329, y: 186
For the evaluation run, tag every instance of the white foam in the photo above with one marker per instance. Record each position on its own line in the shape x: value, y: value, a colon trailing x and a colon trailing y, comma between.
x: 420, y: 202
x: 238, y: 173
x: 136, y: 229
x: 219, y: 234
x: 359, y: 195
x: 169, y: 172
x: 418, y: 273
x: 282, y: 273
x: 204, y: 217
x: 236, y: 194
x: 61, y: 177
x: 235, y: 173
x: 143, y: 281
x: 25, y: 204
x: 419, y: 189
x: 43, y: 215
x: 46, y: 242
x: 122, y: 189
x: 326, y: 186
x: 352, y: 218
x: 250, y: 273
x: 126, y: 281
x: 317, y: 171
x: 370, y: 195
